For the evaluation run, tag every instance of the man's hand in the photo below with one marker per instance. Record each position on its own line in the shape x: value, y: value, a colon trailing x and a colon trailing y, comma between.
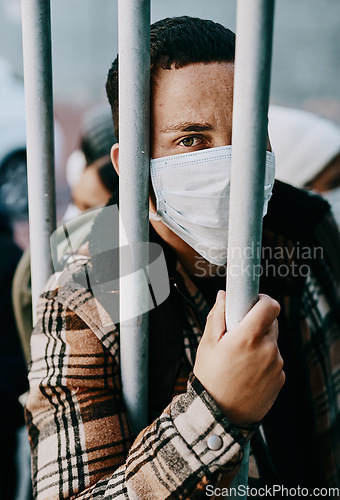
x: 242, y: 369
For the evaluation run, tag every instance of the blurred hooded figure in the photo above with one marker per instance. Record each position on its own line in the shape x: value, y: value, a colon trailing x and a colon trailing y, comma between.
x: 307, y: 151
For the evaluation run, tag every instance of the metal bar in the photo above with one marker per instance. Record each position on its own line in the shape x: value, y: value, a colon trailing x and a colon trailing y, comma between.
x: 36, y: 37
x: 254, y: 29
x: 134, y: 118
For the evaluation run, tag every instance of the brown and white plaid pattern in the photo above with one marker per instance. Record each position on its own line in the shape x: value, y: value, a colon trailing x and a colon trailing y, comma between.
x: 79, y: 431
x: 82, y: 444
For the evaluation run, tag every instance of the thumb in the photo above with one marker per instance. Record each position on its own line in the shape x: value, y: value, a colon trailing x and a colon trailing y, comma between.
x: 215, y: 326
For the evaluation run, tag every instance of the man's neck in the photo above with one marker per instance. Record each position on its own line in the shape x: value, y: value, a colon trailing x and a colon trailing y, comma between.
x: 193, y: 263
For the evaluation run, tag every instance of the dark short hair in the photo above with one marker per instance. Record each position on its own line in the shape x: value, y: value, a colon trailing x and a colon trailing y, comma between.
x: 179, y: 41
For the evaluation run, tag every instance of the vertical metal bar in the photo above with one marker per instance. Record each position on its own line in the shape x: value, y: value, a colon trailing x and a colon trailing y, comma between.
x: 36, y: 37
x: 134, y: 118
x: 254, y: 29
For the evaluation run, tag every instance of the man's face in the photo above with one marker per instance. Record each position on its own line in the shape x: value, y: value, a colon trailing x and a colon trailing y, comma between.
x: 191, y: 108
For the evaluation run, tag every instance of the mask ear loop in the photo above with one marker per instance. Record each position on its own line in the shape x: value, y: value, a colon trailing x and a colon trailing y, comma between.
x: 153, y: 215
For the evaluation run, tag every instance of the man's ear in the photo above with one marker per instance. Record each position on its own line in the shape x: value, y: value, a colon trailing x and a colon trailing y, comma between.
x: 269, y: 146
x: 115, y: 156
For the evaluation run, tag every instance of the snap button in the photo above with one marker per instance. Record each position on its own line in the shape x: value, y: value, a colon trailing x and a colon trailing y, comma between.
x: 215, y: 442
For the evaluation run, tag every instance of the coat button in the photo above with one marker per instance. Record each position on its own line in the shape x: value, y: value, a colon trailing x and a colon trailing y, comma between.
x: 215, y: 442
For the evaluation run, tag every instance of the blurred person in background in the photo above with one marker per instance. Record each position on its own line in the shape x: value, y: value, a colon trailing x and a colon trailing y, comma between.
x: 92, y: 181
x: 13, y: 371
x: 97, y: 183
x: 89, y: 171
x: 307, y: 151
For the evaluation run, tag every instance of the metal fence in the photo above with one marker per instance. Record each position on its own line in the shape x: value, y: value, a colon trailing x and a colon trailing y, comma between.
x: 252, y: 77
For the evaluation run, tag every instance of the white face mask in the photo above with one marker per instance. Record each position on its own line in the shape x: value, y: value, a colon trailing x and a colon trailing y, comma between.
x: 333, y: 198
x: 71, y: 212
x: 192, y: 194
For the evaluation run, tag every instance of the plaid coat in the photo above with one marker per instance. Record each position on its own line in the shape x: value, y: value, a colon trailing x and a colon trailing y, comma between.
x: 81, y: 439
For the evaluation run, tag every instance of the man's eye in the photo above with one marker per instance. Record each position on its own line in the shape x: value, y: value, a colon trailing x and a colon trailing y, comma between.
x: 189, y: 141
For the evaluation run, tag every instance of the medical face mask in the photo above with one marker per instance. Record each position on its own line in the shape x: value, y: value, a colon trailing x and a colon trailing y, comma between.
x: 71, y: 212
x: 192, y: 195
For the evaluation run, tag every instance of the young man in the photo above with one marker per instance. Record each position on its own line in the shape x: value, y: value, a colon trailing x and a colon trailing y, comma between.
x: 82, y: 444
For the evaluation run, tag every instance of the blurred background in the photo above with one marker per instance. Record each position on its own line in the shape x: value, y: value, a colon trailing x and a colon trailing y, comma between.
x: 305, y: 71
x: 305, y: 75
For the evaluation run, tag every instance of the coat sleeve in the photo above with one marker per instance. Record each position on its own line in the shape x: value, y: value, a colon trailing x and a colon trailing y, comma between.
x: 81, y: 441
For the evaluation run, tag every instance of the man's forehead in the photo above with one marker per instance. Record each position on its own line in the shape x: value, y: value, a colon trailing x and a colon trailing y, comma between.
x: 193, y: 72
x: 188, y: 98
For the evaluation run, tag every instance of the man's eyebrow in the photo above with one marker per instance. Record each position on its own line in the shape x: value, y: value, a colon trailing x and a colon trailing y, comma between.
x: 188, y: 127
